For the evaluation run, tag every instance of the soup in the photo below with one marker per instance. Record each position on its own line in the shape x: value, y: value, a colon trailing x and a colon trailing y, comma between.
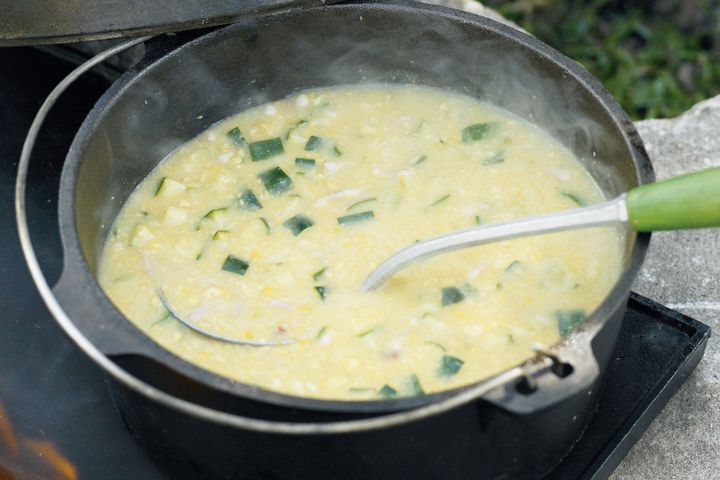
x: 264, y: 227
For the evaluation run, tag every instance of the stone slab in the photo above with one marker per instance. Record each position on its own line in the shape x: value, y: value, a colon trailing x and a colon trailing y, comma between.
x: 682, y: 271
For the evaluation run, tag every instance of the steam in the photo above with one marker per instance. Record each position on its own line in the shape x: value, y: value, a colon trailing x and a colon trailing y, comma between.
x: 268, y: 58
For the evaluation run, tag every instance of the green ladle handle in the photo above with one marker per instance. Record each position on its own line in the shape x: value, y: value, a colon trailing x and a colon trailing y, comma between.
x: 689, y: 201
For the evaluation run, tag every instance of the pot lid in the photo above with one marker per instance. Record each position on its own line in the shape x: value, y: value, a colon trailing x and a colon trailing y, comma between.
x: 33, y: 22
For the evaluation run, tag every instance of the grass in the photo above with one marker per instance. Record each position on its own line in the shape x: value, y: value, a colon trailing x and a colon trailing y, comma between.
x: 653, y: 66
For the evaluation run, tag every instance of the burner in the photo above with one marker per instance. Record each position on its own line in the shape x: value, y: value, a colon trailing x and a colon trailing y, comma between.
x: 52, y: 393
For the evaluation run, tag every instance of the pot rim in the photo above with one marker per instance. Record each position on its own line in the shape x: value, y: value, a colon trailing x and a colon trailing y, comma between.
x: 443, y: 400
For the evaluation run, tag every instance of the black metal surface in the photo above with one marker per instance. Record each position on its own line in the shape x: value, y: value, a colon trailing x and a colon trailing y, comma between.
x: 31, y: 22
x: 50, y: 390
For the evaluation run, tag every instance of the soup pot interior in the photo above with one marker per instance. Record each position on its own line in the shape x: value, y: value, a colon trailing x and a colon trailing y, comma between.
x: 270, y: 58
x: 169, y: 99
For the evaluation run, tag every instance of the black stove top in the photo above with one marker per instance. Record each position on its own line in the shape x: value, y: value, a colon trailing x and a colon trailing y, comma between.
x: 51, y: 394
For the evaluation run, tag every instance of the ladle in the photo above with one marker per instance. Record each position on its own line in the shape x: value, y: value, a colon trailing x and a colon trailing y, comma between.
x: 150, y: 269
x: 688, y: 201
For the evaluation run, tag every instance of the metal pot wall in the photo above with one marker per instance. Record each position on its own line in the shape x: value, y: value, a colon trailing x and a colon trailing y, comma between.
x: 517, y: 425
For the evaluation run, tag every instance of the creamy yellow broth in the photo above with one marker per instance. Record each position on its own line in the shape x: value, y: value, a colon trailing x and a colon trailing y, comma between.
x: 282, y: 255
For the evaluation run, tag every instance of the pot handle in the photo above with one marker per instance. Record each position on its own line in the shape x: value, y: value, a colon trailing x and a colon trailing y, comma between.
x: 551, y: 377
x: 70, y: 298
x: 97, y: 318
x: 688, y: 201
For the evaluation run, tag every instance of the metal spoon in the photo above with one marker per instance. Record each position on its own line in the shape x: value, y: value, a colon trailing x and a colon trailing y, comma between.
x: 149, y: 268
x: 689, y: 201
x: 217, y: 336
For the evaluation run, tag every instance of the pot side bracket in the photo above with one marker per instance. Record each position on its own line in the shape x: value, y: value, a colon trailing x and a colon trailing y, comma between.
x: 549, y: 377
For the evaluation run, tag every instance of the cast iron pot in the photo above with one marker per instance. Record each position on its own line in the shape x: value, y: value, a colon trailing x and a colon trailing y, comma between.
x: 518, y: 424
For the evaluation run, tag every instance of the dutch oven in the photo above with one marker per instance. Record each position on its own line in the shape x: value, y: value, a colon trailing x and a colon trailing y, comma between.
x: 518, y: 424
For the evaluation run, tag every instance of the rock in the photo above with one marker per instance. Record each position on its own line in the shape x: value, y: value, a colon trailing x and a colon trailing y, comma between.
x: 474, y: 7
x: 682, y: 270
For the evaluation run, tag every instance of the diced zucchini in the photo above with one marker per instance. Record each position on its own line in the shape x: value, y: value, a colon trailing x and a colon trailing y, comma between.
x: 362, y: 202
x: 164, y: 316
x: 266, y: 149
x: 437, y: 345
x: 513, y: 267
x: 477, y: 132
x: 322, y: 332
x: 360, y: 390
x: 236, y: 136
x: 439, y: 200
x: 300, y: 124
x: 265, y: 224
x: 168, y: 186
x: 387, y: 392
x: 468, y: 290
x: 215, y: 215
x: 202, y: 251
x: 451, y: 295
x: 315, y: 144
x: 160, y: 186
x: 236, y: 265
x: 298, y: 224
x: 322, y: 291
x: 581, y: 202
x: 319, y: 274
x: 368, y: 331
x: 449, y: 366
x: 275, y: 180
x: 356, y: 217
x: 568, y: 320
x: 305, y: 163
x: 221, y: 235
x: 248, y: 201
x: 122, y: 278
x: 414, y: 386
x: 419, y: 160
x: 495, y: 159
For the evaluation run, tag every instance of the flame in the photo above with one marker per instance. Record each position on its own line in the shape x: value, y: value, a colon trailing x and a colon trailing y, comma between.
x: 7, y: 438
x: 62, y: 467
x: 27, y: 458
